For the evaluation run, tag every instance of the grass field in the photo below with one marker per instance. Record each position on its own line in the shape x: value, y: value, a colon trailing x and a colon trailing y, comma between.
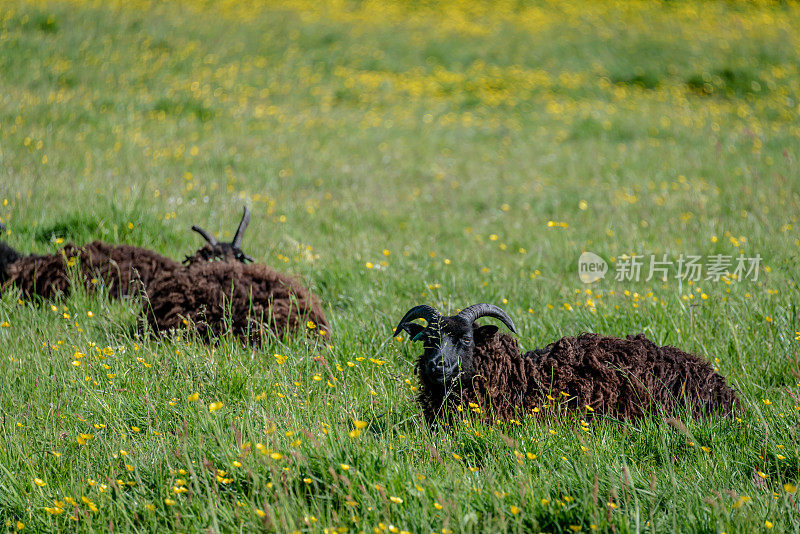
x: 399, y: 153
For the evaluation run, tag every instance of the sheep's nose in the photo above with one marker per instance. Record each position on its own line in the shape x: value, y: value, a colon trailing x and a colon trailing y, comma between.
x: 436, y: 367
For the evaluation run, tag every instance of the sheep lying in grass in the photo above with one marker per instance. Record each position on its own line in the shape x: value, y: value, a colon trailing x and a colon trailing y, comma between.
x: 123, y: 269
x: 464, y: 363
x: 219, y: 296
x: 215, y: 297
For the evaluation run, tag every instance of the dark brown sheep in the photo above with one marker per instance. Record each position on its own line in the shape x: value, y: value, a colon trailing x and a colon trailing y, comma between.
x: 470, y: 367
x: 123, y: 269
x: 215, y: 297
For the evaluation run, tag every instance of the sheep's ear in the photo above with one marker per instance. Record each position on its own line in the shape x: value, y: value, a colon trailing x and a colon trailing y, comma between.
x: 414, y: 330
x: 486, y: 331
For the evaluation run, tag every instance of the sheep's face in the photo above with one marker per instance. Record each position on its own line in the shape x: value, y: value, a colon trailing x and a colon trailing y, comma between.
x: 449, y: 342
x: 447, y: 352
x: 7, y: 256
x: 216, y: 251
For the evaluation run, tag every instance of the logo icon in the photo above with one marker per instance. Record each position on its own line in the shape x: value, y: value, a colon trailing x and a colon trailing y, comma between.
x: 591, y: 267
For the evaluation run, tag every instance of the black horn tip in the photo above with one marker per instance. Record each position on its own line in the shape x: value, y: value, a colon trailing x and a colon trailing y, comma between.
x: 237, y: 238
x: 422, y: 311
x: 207, y: 236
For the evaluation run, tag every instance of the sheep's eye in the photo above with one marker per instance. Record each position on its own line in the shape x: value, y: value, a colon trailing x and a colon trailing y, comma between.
x: 466, y: 340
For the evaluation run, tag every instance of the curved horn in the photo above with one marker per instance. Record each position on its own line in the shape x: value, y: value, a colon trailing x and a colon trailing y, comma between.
x: 424, y: 311
x: 237, y: 238
x: 471, y: 313
x: 208, y: 237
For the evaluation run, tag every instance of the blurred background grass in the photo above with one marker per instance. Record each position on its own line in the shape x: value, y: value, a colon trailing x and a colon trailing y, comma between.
x: 395, y: 153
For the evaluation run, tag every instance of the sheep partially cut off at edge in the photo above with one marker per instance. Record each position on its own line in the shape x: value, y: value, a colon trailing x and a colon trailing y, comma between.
x: 624, y: 378
x: 206, y: 294
x: 122, y: 269
x: 8, y: 257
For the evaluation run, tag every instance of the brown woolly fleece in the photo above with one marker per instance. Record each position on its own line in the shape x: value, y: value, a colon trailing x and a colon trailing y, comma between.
x: 210, y: 295
x: 623, y: 378
x: 123, y: 269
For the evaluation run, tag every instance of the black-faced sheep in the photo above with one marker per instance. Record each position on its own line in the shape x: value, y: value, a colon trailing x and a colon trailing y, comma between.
x: 215, y: 297
x: 123, y: 269
x: 216, y: 251
x: 8, y: 257
x: 464, y: 363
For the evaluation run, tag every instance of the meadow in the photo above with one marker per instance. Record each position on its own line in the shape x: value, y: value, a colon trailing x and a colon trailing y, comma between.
x: 398, y: 153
